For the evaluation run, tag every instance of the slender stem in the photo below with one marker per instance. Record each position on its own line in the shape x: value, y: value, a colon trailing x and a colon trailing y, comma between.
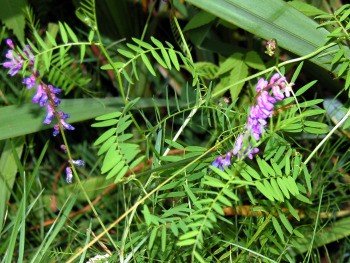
x: 316, y: 52
x: 66, y: 45
x: 177, y: 135
x: 76, y: 176
x: 327, y: 136
x: 105, y: 53
x: 183, y: 39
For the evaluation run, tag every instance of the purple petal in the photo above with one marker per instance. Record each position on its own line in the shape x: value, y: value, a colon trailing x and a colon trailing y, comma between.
x: 69, y: 175
x: 56, y: 130
x: 238, y: 144
x: 79, y: 163
x: 10, y: 43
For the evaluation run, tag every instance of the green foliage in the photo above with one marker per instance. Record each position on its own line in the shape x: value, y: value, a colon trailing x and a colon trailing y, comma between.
x: 165, y: 56
x: 12, y: 16
x: 120, y: 153
x: 149, y: 190
x: 338, y: 24
x: 301, y: 37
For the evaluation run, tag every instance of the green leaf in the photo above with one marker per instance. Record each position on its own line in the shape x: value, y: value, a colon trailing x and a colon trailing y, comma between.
x: 213, y: 182
x: 293, y: 212
x: 105, y: 136
x: 338, y: 55
x: 297, y: 72
x: 11, y: 14
x: 276, y: 168
x: 229, y: 63
x: 109, y: 116
x: 121, y: 174
x: 174, y: 59
x: 158, y: 59
x: 142, y: 43
x: 126, y: 53
x: 283, y: 186
x: 314, y: 130
x: 217, y: 208
x: 292, y: 186
x: 239, y: 73
x: 187, y: 242
x: 264, y: 191
x: 106, y: 145
x: 152, y: 238
x: 305, y: 8
x: 305, y: 88
x: 147, y: 215
x: 17, y: 120
x: 71, y: 33
x: 112, y: 158
x: 189, y: 234
x: 253, y: 60
x: 135, y: 48
x: 199, y: 257
x: 316, y: 124
x: 122, y: 127
x: 304, y: 199
x: 63, y: 33
x: 278, y: 229
x: 105, y: 123
x: 285, y: 222
x: 224, y: 200
x: 147, y: 64
x: 230, y: 194
x: 117, y: 65
x: 163, y: 238
x: 116, y: 170
x: 265, y: 168
x: 251, y: 171
x: 40, y: 41
x: 278, y: 194
x: 8, y: 171
x: 51, y: 39
x: 221, y: 173
x: 200, y: 19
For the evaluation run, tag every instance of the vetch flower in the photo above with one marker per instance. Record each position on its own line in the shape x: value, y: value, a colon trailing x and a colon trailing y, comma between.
x: 238, y: 144
x: 29, y: 55
x: 222, y: 162
x: 14, y: 62
x: 63, y: 148
x: 62, y: 121
x: 50, y: 114
x: 69, y: 175
x: 30, y: 82
x: 9, y: 42
x: 269, y: 93
x: 45, y: 94
x: 79, y: 163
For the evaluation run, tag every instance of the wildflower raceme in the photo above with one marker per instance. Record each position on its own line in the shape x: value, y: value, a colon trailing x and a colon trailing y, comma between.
x: 46, y: 94
x: 269, y: 93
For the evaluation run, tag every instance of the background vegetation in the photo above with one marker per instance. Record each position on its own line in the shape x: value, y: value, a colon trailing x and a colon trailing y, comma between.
x: 156, y: 91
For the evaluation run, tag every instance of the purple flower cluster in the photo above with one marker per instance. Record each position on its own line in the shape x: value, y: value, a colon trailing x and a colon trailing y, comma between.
x: 46, y: 94
x: 269, y: 93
